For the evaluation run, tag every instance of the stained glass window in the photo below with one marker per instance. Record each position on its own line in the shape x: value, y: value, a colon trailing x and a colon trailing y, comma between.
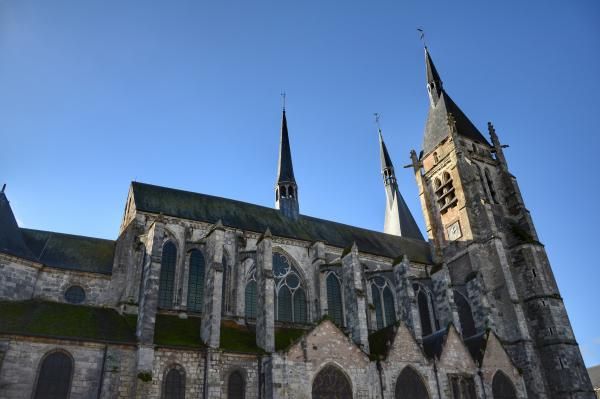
x: 426, y: 310
x: 236, y: 386
x: 75, y: 294
x: 54, y: 380
x: 383, y: 300
x: 331, y: 383
x: 251, y: 300
x: 196, y: 281
x: 334, y: 299
x: 290, y: 297
x: 224, y: 287
x: 167, y: 275
x: 502, y: 387
x: 410, y: 385
x: 465, y: 315
x: 174, y: 385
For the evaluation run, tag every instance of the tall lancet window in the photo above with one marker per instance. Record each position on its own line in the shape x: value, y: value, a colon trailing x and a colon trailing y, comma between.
x: 290, y: 296
x: 196, y: 281
x: 429, y: 322
x: 383, y: 300
x: 465, y: 315
x: 54, y: 379
x: 334, y: 299
x: 167, y: 275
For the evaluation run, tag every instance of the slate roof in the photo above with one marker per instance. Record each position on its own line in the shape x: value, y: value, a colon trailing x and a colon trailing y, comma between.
x: 71, y: 252
x: 250, y: 217
x: 11, y: 239
x: 285, y: 172
x: 594, y: 373
x: 476, y: 345
x: 433, y: 344
x: 436, y: 128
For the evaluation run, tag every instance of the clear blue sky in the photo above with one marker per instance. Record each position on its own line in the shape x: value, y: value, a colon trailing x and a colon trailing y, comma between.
x: 185, y: 94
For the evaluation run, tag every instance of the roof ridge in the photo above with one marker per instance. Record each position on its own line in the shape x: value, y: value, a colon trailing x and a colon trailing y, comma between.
x: 65, y: 234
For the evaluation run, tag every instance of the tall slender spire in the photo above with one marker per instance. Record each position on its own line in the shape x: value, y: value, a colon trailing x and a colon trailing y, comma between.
x: 11, y: 239
x: 398, y: 218
x: 286, y: 190
x: 434, y: 82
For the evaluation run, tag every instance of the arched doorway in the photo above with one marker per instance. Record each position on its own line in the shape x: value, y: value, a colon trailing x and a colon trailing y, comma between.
x: 502, y: 387
x: 331, y: 383
x: 409, y: 385
x: 54, y: 379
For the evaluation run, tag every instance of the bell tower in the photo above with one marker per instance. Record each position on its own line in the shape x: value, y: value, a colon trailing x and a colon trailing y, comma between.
x: 485, y: 237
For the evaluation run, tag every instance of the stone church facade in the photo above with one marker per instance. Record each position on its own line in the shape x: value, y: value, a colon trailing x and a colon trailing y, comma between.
x: 207, y: 297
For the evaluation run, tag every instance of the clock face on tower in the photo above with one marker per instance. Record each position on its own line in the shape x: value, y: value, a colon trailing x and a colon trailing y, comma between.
x: 453, y: 231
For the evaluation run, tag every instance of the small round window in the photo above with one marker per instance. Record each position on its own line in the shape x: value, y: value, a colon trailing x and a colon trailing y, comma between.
x: 75, y: 294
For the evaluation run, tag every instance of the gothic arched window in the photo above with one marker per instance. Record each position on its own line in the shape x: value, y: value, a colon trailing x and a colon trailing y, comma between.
x: 225, y: 286
x: 383, y: 299
x: 251, y: 300
x: 54, y: 379
x: 236, y: 386
x: 410, y: 385
x: 167, y: 275
x: 502, y: 387
x: 290, y: 297
x: 174, y: 384
x: 465, y: 315
x: 331, y: 383
x: 196, y: 281
x: 334, y: 299
x: 426, y: 310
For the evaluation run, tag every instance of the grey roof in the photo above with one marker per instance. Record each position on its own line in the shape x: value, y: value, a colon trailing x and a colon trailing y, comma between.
x: 285, y: 171
x: 594, y: 373
x: 11, y: 239
x: 431, y: 72
x: 408, y: 225
x: 436, y: 128
x: 66, y: 251
x: 250, y: 217
x: 386, y: 161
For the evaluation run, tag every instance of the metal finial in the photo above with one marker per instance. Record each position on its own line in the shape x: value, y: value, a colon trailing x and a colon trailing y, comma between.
x: 422, y: 36
x: 283, y: 100
x: 377, y: 116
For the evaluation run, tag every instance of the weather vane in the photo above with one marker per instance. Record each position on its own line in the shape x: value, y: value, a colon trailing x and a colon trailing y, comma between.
x: 283, y: 99
x: 422, y: 36
x: 377, y: 116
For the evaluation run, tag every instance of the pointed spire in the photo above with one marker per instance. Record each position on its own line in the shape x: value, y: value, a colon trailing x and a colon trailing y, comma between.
x: 398, y: 218
x: 285, y: 171
x: 286, y: 190
x: 434, y: 82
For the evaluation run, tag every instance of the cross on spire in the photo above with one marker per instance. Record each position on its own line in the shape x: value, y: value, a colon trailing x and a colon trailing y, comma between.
x: 283, y: 99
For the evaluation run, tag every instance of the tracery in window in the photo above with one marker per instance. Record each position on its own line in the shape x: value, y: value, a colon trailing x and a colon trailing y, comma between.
x: 196, y: 281
x: 331, y: 383
x: 502, y: 387
x: 383, y: 300
x: 167, y: 275
x: 334, y: 299
x: 236, y: 386
x: 174, y: 384
x: 250, y: 295
x: 54, y: 379
x: 290, y: 296
x: 465, y: 315
x: 429, y: 322
x: 463, y: 387
x: 445, y: 193
x: 410, y: 385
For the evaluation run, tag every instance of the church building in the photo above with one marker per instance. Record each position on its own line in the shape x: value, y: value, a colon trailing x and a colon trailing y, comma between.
x: 208, y: 297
